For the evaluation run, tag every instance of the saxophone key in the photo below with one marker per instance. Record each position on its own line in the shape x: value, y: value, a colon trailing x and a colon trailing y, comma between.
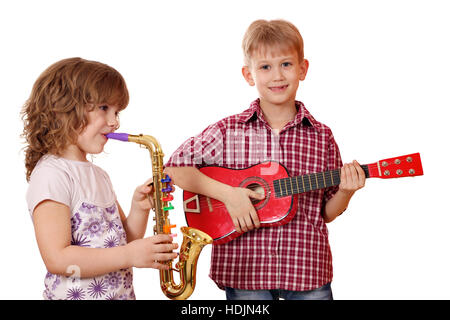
x: 169, y: 207
x: 167, y: 228
x: 168, y: 198
x: 166, y: 179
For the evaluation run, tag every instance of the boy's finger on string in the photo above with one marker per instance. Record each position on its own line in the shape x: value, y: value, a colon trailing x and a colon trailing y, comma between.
x: 255, y: 218
x: 354, y: 172
x: 236, y: 225
x: 343, y: 176
x: 249, y: 222
x: 243, y: 225
x: 361, y: 174
x: 348, y: 173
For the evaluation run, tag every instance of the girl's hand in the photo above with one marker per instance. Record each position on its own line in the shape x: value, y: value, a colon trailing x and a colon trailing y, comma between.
x: 143, y: 196
x: 150, y: 252
x: 352, y: 178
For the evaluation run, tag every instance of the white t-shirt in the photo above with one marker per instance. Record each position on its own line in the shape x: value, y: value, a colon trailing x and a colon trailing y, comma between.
x: 87, y: 190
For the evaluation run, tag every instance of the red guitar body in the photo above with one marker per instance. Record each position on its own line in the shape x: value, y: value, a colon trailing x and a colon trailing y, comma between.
x: 211, y: 215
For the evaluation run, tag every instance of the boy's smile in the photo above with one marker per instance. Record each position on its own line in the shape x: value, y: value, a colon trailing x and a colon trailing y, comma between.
x: 276, y: 75
x: 278, y: 88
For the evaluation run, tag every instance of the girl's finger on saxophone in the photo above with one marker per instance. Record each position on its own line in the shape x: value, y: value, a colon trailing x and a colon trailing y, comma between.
x: 165, y: 256
x: 149, y: 182
x: 160, y: 266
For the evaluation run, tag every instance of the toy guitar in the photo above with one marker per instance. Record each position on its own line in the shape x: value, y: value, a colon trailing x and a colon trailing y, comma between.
x: 280, y: 203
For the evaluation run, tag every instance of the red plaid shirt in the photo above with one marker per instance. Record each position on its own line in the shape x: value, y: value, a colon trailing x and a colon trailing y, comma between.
x: 295, y: 256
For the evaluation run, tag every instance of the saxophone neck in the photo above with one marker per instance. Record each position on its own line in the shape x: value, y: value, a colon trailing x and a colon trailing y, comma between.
x: 152, y: 144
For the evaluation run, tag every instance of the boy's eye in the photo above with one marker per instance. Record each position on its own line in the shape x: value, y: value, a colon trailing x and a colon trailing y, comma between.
x: 265, y: 67
x: 286, y: 64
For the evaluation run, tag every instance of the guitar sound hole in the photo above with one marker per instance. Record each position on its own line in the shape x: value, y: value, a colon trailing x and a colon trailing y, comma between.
x: 258, y: 189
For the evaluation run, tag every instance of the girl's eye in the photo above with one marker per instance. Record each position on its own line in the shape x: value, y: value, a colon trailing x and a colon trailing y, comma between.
x: 103, y: 108
x: 265, y: 67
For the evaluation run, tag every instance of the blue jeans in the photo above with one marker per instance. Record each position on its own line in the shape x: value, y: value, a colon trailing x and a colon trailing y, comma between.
x: 322, y: 293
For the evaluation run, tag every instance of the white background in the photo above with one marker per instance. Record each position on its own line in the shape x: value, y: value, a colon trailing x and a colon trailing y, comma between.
x: 379, y: 77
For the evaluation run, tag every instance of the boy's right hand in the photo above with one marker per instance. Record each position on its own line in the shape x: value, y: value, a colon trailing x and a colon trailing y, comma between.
x: 241, y: 209
x: 148, y: 252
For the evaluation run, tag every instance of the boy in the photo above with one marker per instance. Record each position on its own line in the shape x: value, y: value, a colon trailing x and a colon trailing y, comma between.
x: 292, y: 261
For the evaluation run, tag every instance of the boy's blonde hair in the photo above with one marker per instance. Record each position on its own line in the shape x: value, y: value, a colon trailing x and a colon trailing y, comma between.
x: 56, y: 111
x: 262, y: 35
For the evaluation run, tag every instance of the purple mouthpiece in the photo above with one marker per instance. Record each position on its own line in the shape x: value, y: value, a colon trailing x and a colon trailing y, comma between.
x: 118, y: 136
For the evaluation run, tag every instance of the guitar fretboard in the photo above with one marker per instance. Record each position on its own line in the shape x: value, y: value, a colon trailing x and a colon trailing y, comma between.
x: 320, y: 180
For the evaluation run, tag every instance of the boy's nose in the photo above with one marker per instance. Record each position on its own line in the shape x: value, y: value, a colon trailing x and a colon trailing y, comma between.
x: 278, y: 74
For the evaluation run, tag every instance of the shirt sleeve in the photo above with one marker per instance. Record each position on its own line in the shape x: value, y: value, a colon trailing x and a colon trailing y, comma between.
x: 48, y: 183
x: 203, y: 149
x: 334, y: 162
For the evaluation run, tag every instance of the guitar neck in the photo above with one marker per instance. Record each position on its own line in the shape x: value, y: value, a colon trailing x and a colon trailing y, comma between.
x: 293, y: 185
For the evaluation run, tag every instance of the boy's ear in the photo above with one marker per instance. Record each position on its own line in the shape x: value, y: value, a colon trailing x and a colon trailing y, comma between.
x: 304, y: 65
x: 248, y: 75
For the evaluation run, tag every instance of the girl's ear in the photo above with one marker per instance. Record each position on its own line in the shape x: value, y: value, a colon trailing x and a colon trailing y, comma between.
x: 248, y: 75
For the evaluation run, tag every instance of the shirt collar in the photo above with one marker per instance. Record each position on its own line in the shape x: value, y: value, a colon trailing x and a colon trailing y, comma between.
x: 303, y: 117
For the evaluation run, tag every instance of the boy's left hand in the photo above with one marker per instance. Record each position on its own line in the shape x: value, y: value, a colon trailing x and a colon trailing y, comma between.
x: 353, y: 178
x: 143, y: 195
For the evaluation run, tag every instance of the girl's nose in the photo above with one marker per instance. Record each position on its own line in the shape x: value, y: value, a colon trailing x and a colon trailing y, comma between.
x: 113, y: 121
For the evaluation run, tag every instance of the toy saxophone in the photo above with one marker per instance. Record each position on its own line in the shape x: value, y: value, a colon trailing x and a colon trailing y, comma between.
x: 193, y: 239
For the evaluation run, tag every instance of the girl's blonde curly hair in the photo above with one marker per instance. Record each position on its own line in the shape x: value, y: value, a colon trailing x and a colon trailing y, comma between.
x: 56, y: 111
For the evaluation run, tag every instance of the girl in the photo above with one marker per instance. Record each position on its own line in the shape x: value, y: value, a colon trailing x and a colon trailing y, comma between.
x: 87, y: 244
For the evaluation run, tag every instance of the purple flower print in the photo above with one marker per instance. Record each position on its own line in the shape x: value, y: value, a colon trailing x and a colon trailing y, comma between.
x: 113, y: 279
x: 111, y: 242
x: 97, y: 288
x: 80, y: 241
x: 56, y: 282
x: 128, y: 280
x: 112, y: 296
x: 88, y: 208
x: 114, y: 224
x: 93, y: 227
x: 75, y: 222
x: 111, y: 209
x: 48, y: 294
x: 75, y: 294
